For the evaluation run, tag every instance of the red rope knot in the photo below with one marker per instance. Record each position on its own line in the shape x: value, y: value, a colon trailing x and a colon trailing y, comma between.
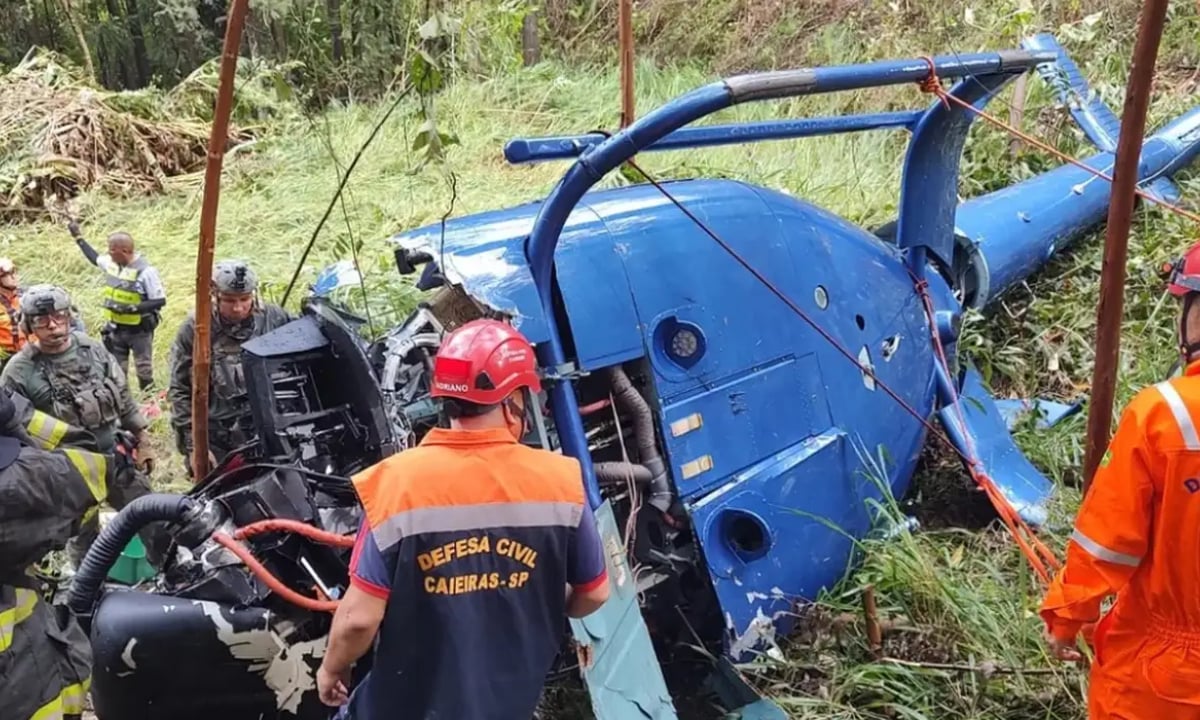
x: 931, y: 83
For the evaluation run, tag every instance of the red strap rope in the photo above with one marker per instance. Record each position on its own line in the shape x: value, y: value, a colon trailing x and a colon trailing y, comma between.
x: 1038, y: 554
x: 1034, y: 549
x: 932, y: 84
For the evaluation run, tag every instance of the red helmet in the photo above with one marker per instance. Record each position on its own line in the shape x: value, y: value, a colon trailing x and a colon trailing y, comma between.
x: 1185, y: 273
x: 483, y: 362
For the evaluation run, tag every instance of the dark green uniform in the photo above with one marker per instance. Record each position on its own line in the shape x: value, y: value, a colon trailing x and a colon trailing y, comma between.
x: 45, y: 658
x: 229, y: 420
x: 82, y: 387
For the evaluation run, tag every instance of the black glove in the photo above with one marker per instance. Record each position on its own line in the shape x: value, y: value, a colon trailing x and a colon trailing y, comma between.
x: 73, y: 228
x: 125, y: 471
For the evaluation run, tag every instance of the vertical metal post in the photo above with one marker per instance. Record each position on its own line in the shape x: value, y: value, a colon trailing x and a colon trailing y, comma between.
x: 201, y: 349
x: 1116, y: 238
x: 625, y: 30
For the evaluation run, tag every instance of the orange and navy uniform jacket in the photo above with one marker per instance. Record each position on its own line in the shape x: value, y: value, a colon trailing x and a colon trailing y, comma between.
x: 473, y: 539
x: 11, y: 338
x: 1136, y: 536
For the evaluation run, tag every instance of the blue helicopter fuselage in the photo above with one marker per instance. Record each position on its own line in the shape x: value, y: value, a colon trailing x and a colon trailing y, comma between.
x: 762, y: 417
x: 784, y: 404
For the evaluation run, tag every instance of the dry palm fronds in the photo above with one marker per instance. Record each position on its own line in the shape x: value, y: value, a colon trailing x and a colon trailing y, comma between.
x: 60, y: 136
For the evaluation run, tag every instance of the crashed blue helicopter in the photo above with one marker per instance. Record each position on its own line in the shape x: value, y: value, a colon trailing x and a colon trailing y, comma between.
x: 725, y: 361
x: 746, y: 410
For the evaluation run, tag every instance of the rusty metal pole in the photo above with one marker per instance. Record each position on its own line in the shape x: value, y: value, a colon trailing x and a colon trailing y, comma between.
x: 201, y: 350
x: 1116, y: 238
x: 625, y: 31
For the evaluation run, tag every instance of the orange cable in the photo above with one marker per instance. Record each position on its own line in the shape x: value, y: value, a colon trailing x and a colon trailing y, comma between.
x: 932, y: 84
x: 295, y: 526
x: 274, y: 583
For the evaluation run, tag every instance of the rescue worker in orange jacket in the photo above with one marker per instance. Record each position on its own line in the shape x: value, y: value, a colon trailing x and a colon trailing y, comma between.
x: 474, y: 550
x: 1135, y: 537
x: 11, y: 339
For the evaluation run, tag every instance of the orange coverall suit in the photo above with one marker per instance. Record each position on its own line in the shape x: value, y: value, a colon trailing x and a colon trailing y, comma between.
x: 1136, y: 536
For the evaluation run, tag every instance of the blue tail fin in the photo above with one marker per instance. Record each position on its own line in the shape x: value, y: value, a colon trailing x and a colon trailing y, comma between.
x: 1097, y: 120
x: 1099, y: 123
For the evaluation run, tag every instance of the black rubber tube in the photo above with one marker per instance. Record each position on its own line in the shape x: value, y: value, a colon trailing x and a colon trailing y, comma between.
x: 618, y: 472
x: 631, y: 401
x: 103, y: 554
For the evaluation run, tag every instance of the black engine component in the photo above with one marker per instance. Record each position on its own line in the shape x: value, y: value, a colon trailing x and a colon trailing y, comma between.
x: 157, y: 656
x: 302, y: 404
x: 211, y: 638
x: 112, y: 540
x: 207, y: 637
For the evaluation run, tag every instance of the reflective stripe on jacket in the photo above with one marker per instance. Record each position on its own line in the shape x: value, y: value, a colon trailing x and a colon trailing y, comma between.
x: 122, y: 290
x: 475, y: 533
x: 46, y: 430
x: 45, y: 657
x: 1135, y: 537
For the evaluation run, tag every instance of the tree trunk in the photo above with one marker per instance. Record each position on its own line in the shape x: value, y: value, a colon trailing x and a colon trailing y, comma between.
x: 51, y: 26
x: 278, y: 39
x: 529, y: 40
x: 356, y: 24
x: 121, y: 76
x: 33, y: 33
x: 81, y: 39
x: 141, y: 59
x: 258, y: 36
x: 334, y: 10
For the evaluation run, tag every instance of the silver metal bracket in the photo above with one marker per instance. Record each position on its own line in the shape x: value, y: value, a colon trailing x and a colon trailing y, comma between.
x: 568, y: 371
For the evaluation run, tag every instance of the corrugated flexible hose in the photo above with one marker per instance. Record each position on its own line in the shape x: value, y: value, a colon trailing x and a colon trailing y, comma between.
x: 157, y: 507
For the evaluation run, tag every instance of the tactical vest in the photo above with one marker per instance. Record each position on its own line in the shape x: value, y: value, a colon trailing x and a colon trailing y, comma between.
x: 228, y: 378
x: 122, y: 290
x: 82, y: 390
x: 228, y: 400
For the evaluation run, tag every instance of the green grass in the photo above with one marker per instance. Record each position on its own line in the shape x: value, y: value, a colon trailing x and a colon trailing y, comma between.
x: 967, y: 598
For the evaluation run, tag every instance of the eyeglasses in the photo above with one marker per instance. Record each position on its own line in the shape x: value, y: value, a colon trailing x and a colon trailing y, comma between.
x: 58, y: 317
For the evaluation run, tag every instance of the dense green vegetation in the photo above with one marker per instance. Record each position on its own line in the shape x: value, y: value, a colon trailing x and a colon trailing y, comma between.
x: 962, y: 599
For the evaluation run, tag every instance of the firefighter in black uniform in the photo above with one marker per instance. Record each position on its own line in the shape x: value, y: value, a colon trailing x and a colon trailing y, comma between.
x: 45, y: 658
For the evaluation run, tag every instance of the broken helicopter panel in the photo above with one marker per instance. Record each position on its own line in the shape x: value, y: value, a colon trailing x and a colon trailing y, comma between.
x: 728, y: 419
